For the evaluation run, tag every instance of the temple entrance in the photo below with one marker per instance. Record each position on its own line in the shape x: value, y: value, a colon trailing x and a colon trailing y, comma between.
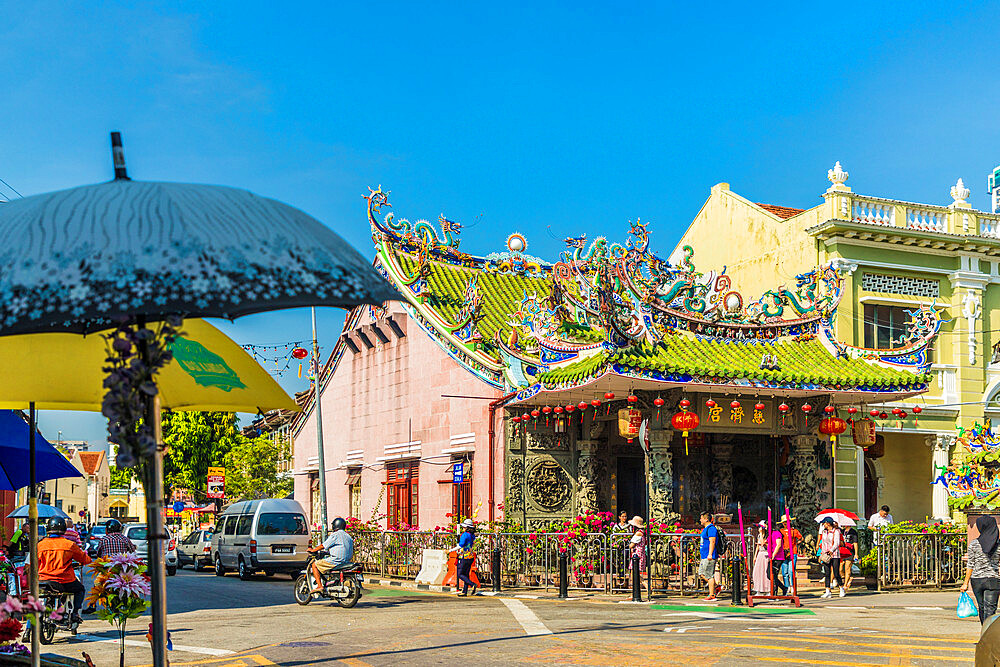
x: 871, y: 487
x: 631, y: 486
x: 721, y: 470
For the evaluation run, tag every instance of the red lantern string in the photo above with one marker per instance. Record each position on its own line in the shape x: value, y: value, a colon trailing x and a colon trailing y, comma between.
x: 609, y: 396
x: 658, y: 402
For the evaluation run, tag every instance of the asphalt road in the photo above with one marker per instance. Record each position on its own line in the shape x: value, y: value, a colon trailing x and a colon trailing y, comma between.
x: 227, y: 622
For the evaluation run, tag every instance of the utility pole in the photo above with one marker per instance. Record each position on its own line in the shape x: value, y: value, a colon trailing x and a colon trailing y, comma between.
x: 321, y: 456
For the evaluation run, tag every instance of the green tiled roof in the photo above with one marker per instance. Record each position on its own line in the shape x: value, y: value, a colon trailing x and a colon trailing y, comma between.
x: 502, y: 293
x: 804, y: 362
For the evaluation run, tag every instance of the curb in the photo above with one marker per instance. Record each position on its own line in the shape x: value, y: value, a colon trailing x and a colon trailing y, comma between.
x: 410, y: 585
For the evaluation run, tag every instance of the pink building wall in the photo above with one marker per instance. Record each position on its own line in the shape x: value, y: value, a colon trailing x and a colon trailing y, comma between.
x: 391, y: 394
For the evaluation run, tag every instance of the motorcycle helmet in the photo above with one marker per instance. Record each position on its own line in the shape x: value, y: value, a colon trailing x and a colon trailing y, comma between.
x: 55, y: 525
x: 338, y: 524
x: 113, y: 526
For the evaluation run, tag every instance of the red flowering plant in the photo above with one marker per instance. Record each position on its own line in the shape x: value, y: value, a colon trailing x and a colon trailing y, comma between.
x: 121, y: 586
x: 12, y: 615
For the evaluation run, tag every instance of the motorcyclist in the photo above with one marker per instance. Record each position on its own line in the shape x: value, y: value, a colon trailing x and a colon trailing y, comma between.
x: 114, y: 542
x: 56, y: 555
x: 340, y: 549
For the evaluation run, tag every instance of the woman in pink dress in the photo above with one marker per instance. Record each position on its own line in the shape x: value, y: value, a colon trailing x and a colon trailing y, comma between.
x: 761, y: 578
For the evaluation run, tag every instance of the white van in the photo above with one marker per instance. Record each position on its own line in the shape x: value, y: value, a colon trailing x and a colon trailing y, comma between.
x: 253, y: 535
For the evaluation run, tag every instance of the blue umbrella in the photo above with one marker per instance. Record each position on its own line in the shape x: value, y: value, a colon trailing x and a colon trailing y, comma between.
x: 14, y: 455
x: 44, y: 512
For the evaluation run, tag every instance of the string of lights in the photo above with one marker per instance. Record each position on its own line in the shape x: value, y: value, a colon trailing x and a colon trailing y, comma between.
x: 278, y: 358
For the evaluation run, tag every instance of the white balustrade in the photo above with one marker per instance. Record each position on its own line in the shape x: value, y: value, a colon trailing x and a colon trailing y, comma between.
x: 927, y: 219
x: 989, y: 226
x: 873, y: 212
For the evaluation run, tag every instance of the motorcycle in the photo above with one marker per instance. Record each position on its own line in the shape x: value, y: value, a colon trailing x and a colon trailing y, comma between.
x: 49, y: 622
x: 342, y: 585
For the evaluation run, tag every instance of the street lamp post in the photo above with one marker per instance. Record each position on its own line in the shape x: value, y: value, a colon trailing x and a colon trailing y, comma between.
x: 321, y: 457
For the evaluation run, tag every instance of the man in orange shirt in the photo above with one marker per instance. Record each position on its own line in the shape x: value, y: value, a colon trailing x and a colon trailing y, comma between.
x: 56, y: 555
x: 791, y: 548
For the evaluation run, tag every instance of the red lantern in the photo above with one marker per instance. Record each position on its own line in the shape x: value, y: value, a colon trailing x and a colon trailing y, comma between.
x: 896, y: 411
x: 902, y: 414
x: 917, y: 409
x: 516, y: 420
x: 558, y: 409
x: 684, y: 403
x: 759, y: 406
x: 570, y: 408
x: 829, y: 409
x: 596, y: 403
x: 684, y: 422
x: 882, y: 415
x: 658, y: 402
x: 582, y: 405
x: 632, y: 399
x: 806, y: 408
x: 610, y: 396
x: 546, y: 409
x: 299, y: 353
x: 783, y: 408
x: 734, y: 405
x: 832, y: 426
x: 874, y: 412
x: 535, y: 413
x: 709, y: 403
x: 852, y: 411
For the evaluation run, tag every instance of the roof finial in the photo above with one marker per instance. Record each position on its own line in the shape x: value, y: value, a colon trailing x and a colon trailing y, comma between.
x: 118, y: 156
x: 838, y: 177
x: 959, y: 193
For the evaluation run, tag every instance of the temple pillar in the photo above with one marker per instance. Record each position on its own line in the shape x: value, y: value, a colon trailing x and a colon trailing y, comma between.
x: 587, y: 477
x: 661, y: 478
x: 805, y: 505
x: 940, y: 460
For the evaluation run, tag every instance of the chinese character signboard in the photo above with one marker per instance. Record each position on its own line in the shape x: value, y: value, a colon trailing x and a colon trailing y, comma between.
x: 750, y: 414
x: 216, y: 483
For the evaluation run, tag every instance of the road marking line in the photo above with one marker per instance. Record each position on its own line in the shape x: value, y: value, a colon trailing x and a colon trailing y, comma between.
x: 843, y: 640
x: 177, y: 647
x: 803, y: 649
x: 527, y: 597
x: 531, y: 624
x: 355, y: 662
x: 925, y: 608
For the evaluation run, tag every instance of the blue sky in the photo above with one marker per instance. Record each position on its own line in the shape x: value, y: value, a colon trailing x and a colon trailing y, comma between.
x: 549, y: 119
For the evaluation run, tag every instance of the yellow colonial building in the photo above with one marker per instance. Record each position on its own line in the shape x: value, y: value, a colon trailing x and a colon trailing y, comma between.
x: 900, y: 256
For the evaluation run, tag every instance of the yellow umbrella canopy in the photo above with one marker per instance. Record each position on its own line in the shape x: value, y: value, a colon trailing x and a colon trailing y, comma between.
x: 209, y: 372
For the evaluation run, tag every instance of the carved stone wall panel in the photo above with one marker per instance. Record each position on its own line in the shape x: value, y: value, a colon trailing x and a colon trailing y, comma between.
x: 661, y: 475
x: 804, y: 498
x: 587, y: 475
x: 547, y: 439
x: 515, y: 485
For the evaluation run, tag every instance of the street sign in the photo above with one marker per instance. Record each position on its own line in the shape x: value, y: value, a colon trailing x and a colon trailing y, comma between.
x: 178, y: 506
x: 457, y: 472
x: 216, y: 483
x: 82, y: 513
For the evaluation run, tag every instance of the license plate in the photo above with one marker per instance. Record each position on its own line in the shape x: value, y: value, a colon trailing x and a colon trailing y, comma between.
x: 281, y: 550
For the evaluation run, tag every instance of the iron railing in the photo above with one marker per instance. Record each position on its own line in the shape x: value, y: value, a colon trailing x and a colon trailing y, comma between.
x: 920, y: 560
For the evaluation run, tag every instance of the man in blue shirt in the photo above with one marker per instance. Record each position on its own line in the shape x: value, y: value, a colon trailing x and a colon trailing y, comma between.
x: 463, y: 564
x: 340, y: 548
x: 709, y: 553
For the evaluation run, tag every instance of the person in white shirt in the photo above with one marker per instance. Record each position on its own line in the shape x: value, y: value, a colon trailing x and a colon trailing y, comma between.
x: 880, y: 518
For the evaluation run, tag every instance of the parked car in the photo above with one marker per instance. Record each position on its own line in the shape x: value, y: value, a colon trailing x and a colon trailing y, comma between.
x: 195, y: 550
x: 137, y: 533
x: 97, y: 531
x: 253, y: 535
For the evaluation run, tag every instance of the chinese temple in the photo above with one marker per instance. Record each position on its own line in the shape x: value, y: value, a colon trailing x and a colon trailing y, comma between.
x: 613, y: 366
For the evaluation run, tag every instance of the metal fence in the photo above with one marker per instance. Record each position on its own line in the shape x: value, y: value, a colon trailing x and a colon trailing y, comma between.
x: 920, y: 560
x: 596, y: 561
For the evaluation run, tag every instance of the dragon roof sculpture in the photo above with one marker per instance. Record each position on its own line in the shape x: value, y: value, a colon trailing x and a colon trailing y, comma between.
x: 530, y: 326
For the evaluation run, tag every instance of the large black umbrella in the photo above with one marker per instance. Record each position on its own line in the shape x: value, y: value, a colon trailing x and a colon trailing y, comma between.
x: 81, y: 260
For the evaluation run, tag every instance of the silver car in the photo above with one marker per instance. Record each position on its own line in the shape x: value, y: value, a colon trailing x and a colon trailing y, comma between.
x: 136, y: 532
x: 252, y: 535
x: 195, y: 550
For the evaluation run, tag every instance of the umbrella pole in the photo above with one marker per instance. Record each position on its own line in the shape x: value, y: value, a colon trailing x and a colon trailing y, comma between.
x: 36, y: 646
x: 154, y: 523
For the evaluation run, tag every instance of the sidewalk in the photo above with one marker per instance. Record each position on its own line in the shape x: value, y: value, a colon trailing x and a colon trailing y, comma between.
x: 809, y: 594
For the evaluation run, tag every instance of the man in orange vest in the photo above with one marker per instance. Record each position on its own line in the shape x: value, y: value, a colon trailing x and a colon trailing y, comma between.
x: 56, y: 558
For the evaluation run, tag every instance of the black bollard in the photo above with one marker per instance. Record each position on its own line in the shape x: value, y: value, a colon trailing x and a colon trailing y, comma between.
x: 737, y: 579
x: 636, y: 585
x: 496, y: 570
x: 563, y: 576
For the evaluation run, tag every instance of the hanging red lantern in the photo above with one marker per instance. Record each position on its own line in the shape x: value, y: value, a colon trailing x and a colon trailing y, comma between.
x: 570, y: 408
x: 896, y: 411
x: 863, y: 431
x: 610, y: 396
x: 658, y: 402
x: 852, y: 411
x: 829, y: 409
x: 632, y: 399
x: 759, y: 407
x: 902, y: 414
x: 874, y: 412
x: 882, y: 415
x: 917, y: 409
x: 546, y: 409
x: 709, y: 404
x: 734, y: 405
x: 832, y: 426
x: 582, y: 405
x: 596, y: 403
x: 684, y: 403
x: 806, y: 408
x: 299, y: 353
x: 558, y: 409
x: 535, y: 413
x: 783, y: 408
x: 684, y: 422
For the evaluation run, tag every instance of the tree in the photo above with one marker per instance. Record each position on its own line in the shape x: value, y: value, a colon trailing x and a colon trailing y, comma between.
x: 121, y: 478
x: 252, y: 469
x: 196, y: 441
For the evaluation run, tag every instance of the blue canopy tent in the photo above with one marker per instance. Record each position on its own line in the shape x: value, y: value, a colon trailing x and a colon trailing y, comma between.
x: 15, y: 466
